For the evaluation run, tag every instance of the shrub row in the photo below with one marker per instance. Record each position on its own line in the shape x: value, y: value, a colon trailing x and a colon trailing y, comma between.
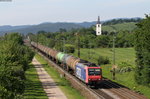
x: 14, y: 60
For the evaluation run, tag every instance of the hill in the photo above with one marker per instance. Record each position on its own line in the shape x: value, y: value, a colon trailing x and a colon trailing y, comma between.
x: 87, y: 24
x: 9, y: 27
x: 109, y: 25
x: 48, y: 27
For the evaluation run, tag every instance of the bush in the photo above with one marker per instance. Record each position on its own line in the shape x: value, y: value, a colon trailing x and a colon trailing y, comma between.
x: 124, y: 64
x: 59, y: 46
x: 142, y: 47
x: 14, y: 60
x: 124, y: 67
x: 103, y: 60
x: 69, y: 48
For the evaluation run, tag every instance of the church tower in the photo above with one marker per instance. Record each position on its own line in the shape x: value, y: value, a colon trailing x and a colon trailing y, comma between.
x: 98, y: 27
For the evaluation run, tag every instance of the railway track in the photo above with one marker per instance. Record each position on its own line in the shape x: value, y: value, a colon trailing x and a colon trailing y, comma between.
x: 109, y: 90
x: 120, y: 91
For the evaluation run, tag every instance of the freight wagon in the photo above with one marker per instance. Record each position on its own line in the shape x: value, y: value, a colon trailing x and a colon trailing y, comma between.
x: 88, y: 72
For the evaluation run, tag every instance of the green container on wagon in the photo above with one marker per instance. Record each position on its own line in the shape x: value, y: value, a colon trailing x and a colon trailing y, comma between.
x: 60, y: 56
x: 65, y: 57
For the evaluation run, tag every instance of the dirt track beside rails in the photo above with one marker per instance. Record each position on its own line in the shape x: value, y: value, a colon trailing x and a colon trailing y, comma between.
x: 49, y: 86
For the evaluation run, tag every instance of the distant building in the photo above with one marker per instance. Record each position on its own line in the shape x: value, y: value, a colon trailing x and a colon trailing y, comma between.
x: 98, y: 27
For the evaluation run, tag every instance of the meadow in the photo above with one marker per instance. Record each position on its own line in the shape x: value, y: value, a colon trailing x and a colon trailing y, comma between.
x: 120, y: 27
x: 121, y: 54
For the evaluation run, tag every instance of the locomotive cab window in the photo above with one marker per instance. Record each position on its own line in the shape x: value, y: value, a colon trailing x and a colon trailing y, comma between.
x: 92, y: 71
x: 97, y: 71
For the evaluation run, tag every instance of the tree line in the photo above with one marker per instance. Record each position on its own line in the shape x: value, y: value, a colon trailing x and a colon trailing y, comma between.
x: 14, y: 61
x: 142, y: 47
x: 117, y: 21
x: 87, y: 38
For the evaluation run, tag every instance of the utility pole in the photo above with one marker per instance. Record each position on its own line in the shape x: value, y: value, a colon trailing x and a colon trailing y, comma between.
x: 64, y: 45
x: 37, y: 40
x: 78, y: 46
x: 78, y: 38
x: 90, y: 50
x: 113, y: 67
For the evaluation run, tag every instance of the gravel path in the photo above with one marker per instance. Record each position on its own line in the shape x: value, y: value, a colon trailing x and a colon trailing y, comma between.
x: 50, y: 87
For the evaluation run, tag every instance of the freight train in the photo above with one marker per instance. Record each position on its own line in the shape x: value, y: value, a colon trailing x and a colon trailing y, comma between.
x: 88, y: 72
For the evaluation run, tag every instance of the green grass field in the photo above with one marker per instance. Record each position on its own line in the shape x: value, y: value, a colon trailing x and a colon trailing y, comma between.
x: 65, y: 86
x: 122, y: 55
x: 34, y: 89
x: 119, y: 27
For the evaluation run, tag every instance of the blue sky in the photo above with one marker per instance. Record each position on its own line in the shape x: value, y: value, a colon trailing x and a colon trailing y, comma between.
x: 21, y: 12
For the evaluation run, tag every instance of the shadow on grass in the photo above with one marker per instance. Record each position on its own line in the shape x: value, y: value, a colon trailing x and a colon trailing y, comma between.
x: 39, y: 65
x: 33, y: 88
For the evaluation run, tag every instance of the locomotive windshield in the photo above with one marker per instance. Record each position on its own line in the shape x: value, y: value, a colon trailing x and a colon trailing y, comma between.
x: 93, y: 71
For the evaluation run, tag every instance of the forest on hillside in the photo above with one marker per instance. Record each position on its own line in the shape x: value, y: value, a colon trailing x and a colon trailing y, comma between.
x: 122, y: 20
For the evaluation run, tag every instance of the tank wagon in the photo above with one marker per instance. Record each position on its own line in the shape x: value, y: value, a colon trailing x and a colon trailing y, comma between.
x: 88, y: 72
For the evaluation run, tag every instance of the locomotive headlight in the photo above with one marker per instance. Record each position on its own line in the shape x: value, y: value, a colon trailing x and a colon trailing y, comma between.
x: 89, y: 79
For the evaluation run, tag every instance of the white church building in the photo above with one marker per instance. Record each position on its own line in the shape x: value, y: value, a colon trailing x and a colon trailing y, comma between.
x: 98, y: 27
